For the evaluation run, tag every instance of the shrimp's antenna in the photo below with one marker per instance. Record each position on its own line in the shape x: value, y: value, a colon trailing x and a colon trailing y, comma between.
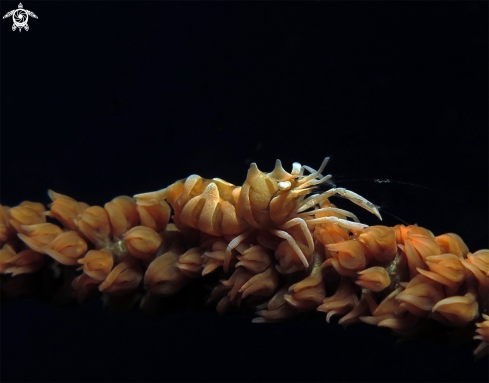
x: 389, y: 181
x: 393, y: 216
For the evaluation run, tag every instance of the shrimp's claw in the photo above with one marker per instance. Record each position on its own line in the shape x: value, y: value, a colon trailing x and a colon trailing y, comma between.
x: 356, y: 199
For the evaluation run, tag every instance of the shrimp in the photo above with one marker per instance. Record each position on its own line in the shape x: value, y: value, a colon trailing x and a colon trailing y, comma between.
x: 272, y: 202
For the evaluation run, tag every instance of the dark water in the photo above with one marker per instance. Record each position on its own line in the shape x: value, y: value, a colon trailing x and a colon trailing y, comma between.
x: 101, y: 99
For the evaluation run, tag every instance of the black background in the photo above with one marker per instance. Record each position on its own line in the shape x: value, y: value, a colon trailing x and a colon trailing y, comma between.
x: 101, y: 99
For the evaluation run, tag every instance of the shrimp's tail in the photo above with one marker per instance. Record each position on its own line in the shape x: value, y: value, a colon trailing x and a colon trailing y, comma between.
x: 151, y: 198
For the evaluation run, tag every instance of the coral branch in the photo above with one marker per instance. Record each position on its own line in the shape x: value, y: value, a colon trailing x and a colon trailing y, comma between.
x: 278, y: 262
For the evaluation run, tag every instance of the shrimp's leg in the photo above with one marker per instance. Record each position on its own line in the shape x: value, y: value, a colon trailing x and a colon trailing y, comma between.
x: 237, y: 240
x: 353, y: 197
x: 305, y: 231
x: 293, y: 244
x: 342, y: 222
x: 329, y: 209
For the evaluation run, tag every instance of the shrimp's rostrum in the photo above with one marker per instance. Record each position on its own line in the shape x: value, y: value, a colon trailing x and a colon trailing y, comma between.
x: 273, y: 202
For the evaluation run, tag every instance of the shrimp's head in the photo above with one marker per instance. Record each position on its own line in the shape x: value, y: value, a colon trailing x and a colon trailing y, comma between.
x: 267, y: 200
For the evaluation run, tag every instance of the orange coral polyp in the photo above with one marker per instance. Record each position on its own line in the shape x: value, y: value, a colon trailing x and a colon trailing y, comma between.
x: 163, y: 276
x: 94, y: 223
x: 374, y: 278
x: 122, y: 215
x: 421, y: 293
x: 341, y: 302
x: 65, y: 209
x: 424, y: 246
x: 447, y: 265
x: 350, y: 254
x: 380, y: 241
x: 25, y: 262
x: 459, y: 310
x: 452, y: 243
x: 483, y: 329
x: 155, y: 217
x: 97, y: 264
x: 123, y: 278
x: 27, y: 213
x: 42, y: 233
x: 256, y: 259
x: 67, y: 248
x: 142, y: 242
x: 190, y: 262
x: 403, y: 232
x: 480, y: 259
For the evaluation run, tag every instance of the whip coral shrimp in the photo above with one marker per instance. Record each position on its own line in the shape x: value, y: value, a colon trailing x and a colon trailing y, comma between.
x: 273, y: 202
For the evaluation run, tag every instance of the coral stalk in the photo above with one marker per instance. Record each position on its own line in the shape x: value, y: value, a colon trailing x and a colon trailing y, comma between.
x: 272, y: 247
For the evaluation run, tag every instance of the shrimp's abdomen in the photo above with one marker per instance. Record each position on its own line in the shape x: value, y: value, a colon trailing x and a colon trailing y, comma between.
x: 203, y: 204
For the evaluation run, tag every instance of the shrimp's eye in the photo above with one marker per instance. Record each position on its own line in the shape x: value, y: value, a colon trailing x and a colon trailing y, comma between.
x: 284, y: 185
x: 296, y: 169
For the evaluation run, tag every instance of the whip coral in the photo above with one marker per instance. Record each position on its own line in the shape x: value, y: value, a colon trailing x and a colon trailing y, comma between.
x: 272, y: 244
